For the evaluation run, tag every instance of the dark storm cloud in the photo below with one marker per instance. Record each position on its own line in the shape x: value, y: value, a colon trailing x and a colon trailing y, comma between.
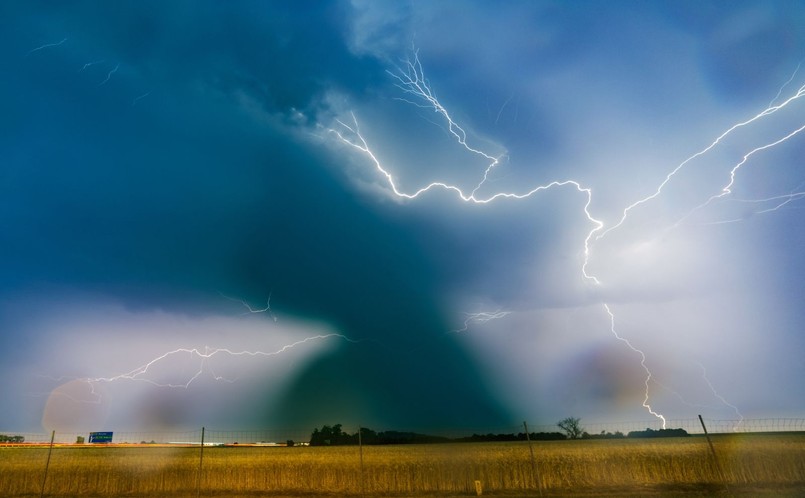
x: 194, y: 189
x: 166, y: 160
x: 147, y: 183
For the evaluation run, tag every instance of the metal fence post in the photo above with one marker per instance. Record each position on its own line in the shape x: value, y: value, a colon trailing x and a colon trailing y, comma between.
x: 534, y: 473
x: 200, y: 464
x: 715, y: 457
x: 47, y: 463
x: 360, y: 452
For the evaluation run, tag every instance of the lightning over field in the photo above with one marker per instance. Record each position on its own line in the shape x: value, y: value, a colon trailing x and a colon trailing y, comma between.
x: 406, y: 215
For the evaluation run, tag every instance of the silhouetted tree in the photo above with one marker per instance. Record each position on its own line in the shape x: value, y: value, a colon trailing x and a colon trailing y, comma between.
x: 604, y: 435
x: 332, y: 436
x: 649, y: 433
x: 572, y: 427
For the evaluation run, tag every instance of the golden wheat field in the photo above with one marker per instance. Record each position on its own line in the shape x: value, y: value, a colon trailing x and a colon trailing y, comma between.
x: 772, y: 465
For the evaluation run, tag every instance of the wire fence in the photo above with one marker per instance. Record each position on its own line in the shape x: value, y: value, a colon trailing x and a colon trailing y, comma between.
x: 203, y: 462
x: 279, y: 437
x: 693, y: 426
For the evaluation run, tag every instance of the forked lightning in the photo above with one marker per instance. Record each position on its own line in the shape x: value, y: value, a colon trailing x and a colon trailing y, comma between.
x: 411, y: 80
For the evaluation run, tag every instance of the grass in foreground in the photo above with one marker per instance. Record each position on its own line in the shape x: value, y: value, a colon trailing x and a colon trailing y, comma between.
x: 753, y: 465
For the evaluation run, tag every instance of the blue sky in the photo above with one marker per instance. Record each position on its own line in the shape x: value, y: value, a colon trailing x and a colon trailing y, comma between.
x: 198, y: 227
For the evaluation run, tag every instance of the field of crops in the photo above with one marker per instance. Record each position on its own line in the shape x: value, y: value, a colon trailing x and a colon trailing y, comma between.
x: 752, y: 464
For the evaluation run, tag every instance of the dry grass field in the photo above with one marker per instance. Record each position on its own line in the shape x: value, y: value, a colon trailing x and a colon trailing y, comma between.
x: 753, y: 464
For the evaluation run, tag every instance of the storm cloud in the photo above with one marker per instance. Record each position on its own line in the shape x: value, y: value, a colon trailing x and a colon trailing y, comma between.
x: 168, y: 166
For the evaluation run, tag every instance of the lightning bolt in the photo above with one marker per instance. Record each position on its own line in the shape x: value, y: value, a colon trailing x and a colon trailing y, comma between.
x: 357, y: 141
x: 500, y: 111
x: 781, y: 200
x: 715, y: 394
x: 60, y: 392
x: 411, y: 80
x: 721, y: 398
x: 778, y: 201
x: 684, y: 401
x: 201, y: 358
x: 768, y: 111
x: 139, y: 97
x: 109, y: 75
x: 47, y: 45
x: 89, y: 64
x: 251, y: 310
x: 612, y: 329
x: 788, y: 82
x: 480, y: 317
x: 727, y: 189
x: 141, y: 373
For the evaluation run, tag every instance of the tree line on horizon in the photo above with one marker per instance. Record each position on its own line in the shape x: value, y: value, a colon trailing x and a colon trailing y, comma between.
x: 335, y: 436
x: 4, y: 438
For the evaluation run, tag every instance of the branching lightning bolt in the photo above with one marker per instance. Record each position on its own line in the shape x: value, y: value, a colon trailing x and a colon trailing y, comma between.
x: 143, y: 373
x: 780, y: 91
x: 357, y: 141
x: 765, y: 112
x: 780, y: 200
x: 251, y: 310
x: 140, y: 374
x: 411, y: 80
x: 727, y: 189
x: 699, y: 405
x: 712, y: 391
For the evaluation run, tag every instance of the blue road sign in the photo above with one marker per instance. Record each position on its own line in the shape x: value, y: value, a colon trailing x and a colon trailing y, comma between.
x: 100, y: 437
